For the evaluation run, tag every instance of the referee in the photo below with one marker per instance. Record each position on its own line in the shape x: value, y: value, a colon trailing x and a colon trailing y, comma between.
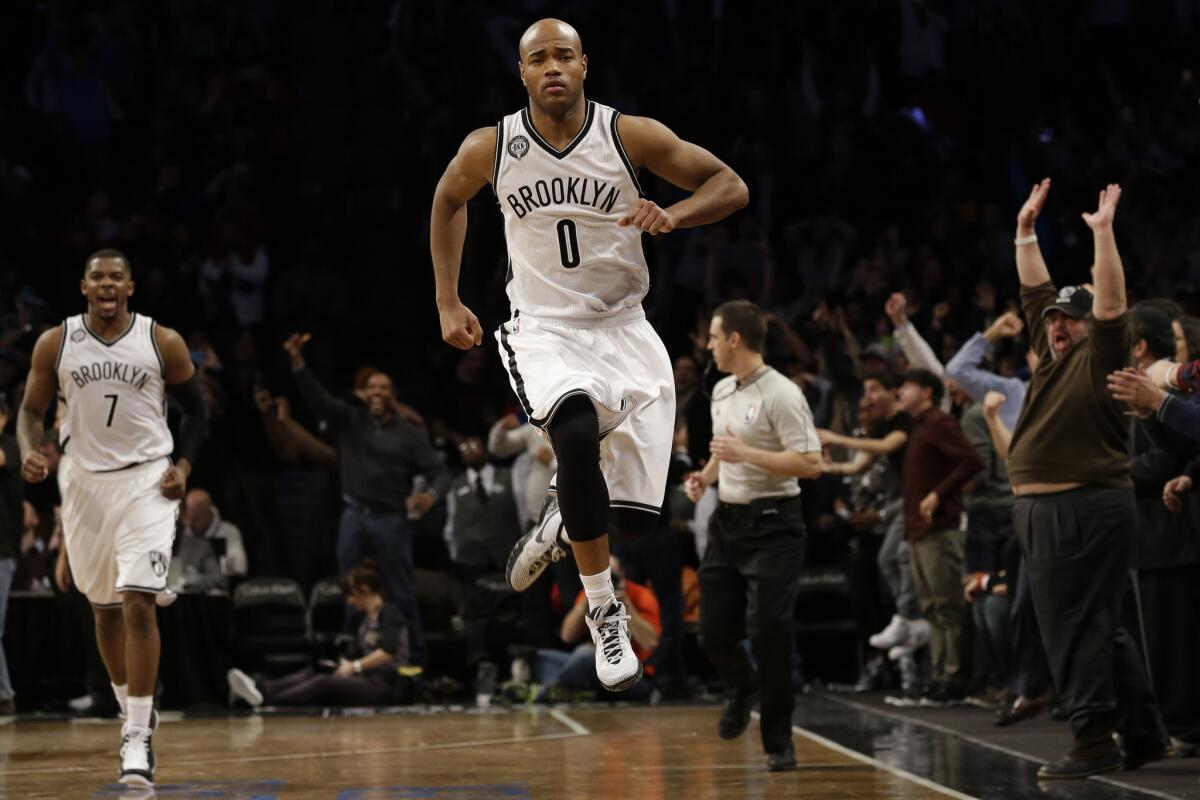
x: 764, y: 440
x: 1075, y: 512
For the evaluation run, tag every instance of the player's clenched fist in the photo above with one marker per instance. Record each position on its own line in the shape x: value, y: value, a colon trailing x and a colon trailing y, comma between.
x: 460, y: 327
x: 645, y: 215
x: 34, y: 468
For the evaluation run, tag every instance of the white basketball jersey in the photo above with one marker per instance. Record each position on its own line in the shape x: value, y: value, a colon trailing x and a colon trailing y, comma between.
x: 567, y: 256
x: 115, y: 396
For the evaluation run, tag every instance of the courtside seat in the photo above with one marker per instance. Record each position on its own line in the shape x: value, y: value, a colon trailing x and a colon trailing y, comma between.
x: 326, y: 618
x: 270, y: 625
x: 826, y: 631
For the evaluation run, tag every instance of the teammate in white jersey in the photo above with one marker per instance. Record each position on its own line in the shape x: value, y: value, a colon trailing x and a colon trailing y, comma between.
x: 121, y: 491
x: 588, y: 368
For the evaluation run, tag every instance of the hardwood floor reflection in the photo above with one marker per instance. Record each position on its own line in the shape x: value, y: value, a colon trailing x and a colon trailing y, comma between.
x: 644, y: 753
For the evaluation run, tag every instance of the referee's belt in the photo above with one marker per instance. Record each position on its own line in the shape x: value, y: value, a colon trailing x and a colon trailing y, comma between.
x: 763, y: 505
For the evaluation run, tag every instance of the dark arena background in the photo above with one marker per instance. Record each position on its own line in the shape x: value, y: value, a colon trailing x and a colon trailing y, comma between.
x: 267, y: 168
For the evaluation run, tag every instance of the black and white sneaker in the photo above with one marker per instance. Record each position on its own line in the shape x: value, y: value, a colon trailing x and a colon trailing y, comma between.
x: 545, y: 544
x: 616, y: 665
x: 137, y: 756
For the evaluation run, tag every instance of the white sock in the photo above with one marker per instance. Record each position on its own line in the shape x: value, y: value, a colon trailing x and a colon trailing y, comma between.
x: 139, y: 711
x: 122, y: 693
x: 598, y: 587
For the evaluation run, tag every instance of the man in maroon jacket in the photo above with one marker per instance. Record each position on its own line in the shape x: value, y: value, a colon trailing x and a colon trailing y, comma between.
x: 938, y: 462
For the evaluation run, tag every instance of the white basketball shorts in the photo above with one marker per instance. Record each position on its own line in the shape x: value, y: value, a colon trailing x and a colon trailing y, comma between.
x: 118, y: 529
x: 624, y: 369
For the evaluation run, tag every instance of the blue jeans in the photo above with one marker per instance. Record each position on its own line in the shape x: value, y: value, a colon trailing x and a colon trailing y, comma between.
x: 577, y: 669
x: 388, y: 537
x: 8, y: 568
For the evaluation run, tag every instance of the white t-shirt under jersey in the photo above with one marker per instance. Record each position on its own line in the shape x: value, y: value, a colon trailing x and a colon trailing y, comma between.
x: 114, y: 395
x: 769, y: 412
x: 568, y: 258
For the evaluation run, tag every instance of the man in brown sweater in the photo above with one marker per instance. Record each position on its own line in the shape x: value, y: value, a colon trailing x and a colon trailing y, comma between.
x: 938, y: 462
x: 1075, y: 512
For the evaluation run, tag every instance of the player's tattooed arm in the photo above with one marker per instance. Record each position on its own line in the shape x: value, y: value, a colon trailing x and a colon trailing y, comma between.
x: 39, y: 391
x: 468, y: 172
x: 717, y: 191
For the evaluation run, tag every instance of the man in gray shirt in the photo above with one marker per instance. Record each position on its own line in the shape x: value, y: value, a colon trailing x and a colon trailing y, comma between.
x: 764, y: 439
x: 379, y: 454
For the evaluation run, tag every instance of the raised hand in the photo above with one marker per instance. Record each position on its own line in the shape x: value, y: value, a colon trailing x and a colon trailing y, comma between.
x: 460, y: 327
x: 294, y: 347
x: 646, y: 215
x: 992, y: 402
x: 896, y: 308
x: 1106, y: 209
x: 1006, y: 326
x: 1033, y: 207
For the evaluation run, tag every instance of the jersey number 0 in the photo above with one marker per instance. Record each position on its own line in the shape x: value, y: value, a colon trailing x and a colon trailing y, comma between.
x: 568, y: 243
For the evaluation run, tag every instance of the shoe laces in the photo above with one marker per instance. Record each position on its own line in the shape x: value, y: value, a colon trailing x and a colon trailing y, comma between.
x: 133, y: 739
x: 608, y: 619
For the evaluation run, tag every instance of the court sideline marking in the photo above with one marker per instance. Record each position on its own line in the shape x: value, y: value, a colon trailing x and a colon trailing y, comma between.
x: 866, y: 759
x: 576, y: 730
x: 993, y: 745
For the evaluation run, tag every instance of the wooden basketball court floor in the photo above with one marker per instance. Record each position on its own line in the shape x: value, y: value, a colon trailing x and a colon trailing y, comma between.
x: 630, y: 753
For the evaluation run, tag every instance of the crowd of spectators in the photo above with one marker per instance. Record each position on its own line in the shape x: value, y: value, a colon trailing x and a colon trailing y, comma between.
x: 268, y: 170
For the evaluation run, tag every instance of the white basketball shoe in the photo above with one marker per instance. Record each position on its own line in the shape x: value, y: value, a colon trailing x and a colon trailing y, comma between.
x: 616, y: 665
x: 137, y: 756
x: 545, y: 544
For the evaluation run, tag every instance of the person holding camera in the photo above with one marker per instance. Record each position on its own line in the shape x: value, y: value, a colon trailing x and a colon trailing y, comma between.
x: 750, y: 575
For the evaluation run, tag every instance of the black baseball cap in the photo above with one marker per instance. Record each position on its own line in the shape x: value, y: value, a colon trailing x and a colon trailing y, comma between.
x: 1074, y: 301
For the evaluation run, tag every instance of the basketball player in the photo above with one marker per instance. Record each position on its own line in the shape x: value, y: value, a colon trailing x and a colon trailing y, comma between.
x: 588, y: 368
x: 121, y: 491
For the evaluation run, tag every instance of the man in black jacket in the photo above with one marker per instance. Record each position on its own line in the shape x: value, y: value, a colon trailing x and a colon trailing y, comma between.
x: 379, y: 455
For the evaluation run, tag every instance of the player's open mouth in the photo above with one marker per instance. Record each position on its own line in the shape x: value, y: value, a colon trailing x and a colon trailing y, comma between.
x: 107, y: 302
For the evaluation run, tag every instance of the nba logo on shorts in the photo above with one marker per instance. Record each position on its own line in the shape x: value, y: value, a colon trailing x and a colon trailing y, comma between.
x: 751, y: 413
x: 158, y: 563
x: 518, y: 146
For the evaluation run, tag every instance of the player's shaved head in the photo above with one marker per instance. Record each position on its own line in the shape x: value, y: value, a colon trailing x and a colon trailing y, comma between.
x: 545, y: 32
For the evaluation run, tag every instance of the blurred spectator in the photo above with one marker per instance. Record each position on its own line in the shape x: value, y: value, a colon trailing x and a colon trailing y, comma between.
x: 481, y: 527
x: 201, y: 518
x: 194, y: 567
x: 12, y: 527
x: 938, y: 462
x: 534, y: 467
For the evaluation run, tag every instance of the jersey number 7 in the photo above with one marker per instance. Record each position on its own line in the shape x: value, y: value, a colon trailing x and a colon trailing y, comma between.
x: 111, y: 409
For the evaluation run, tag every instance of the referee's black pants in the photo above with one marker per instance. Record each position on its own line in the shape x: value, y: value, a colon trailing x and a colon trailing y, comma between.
x: 749, y: 579
x: 1077, y: 546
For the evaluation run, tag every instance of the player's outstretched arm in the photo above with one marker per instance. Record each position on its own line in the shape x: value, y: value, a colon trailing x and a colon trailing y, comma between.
x: 467, y: 173
x: 180, y: 376
x: 39, y: 391
x: 717, y: 191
